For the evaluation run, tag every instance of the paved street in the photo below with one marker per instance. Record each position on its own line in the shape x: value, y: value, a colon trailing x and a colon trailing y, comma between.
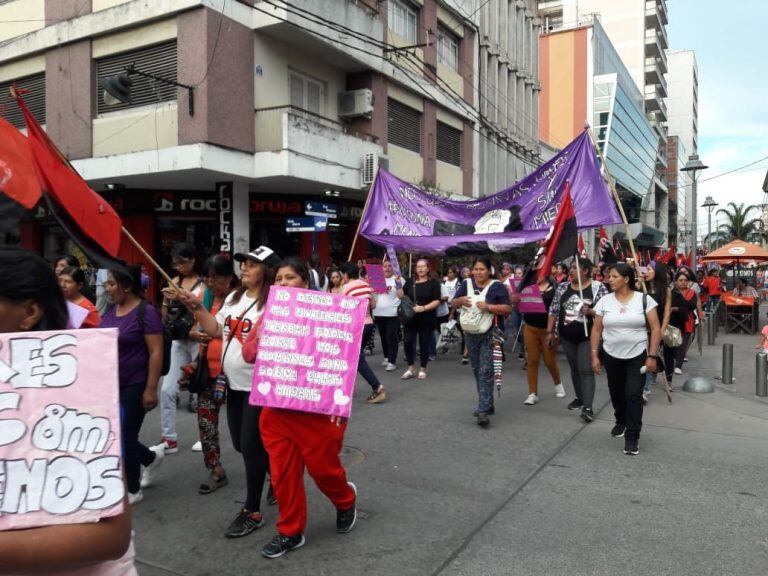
x: 538, y: 492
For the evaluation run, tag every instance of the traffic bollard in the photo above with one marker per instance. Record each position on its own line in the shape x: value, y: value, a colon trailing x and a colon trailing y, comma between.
x: 727, y: 363
x: 711, y: 330
x: 761, y: 374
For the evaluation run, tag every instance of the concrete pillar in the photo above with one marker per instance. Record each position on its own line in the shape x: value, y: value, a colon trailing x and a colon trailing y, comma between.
x: 66, y: 9
x: 240, y: 218
x: 428, y: 141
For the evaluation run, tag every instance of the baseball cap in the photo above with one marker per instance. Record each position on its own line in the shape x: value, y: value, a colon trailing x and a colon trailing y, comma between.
x: 262, y: 254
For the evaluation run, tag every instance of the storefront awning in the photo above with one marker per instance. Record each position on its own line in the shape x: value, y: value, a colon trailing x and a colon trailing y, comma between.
x: 644, y: 236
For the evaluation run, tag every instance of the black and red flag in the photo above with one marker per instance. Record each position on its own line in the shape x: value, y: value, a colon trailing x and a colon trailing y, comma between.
x: 607, y: 253
x: 560, y: 243
x: 582, y: 248
x: 619, y: 251
x: 84, y: 215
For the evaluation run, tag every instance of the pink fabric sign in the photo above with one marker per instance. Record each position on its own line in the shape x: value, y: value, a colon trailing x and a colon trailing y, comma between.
x: 531, y: 301
x: 375, y: 277
x: 309, y: 344
x: 59, y: 428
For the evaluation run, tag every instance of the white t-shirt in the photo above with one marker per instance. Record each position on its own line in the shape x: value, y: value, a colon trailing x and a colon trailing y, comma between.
x: 386, y: 304
x: 447, y: 290
x: 238, y: 371
x: 624, y: 331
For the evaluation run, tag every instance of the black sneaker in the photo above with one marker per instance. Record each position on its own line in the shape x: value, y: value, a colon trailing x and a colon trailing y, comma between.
x: 587, y: 415
x: 630, y: 446
x: 482, y: 419
x: 282, y: 545
x: 575, y: 405
x: 491, y: 411
x: 618, y: 430
x: 345, y: 519
x: 244, y: 523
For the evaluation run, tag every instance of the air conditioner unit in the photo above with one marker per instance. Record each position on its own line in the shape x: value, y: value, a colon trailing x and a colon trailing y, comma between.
x: 356, y: 103
x: 370, y: 167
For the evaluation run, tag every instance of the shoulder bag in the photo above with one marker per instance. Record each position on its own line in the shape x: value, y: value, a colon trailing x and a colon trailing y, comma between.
x: 178, y: 320
x: 472, y: 319
x: 405, y: 311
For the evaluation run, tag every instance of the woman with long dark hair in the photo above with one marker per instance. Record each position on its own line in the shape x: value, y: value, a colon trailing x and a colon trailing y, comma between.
x: 232, y: 323
x: 30, y: 301
x: 72, y: 283
x: 140, y: 359
x: 622, y: 320
x: 490, y: 301
x: 659, y: 289
x: 178, y: 324
x: 65, y: 261
x: 424, y: 292
x: 685, y: 302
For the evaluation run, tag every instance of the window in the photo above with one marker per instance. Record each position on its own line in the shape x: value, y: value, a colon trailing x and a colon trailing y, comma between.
x: 448, y: 144
x: 403, y: 20
x: 159, y: 60
x: 447, y: 49
x: 306, y: 93
x: 404, y: 126
x: 34, y: 99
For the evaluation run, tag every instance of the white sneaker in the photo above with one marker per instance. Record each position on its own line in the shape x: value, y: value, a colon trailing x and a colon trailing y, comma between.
x: 147, y: 476
x: 678, y: 371
x: 559, y: 391
x: 531, y: 400
x: 135, y: 498
x: 384, y: 362
x: 390, y: 367
x: 197, y: 446
x: 168, y: 446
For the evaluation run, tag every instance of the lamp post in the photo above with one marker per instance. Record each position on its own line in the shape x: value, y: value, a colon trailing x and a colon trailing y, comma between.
x: 694, y: 166
x: 709, y: 205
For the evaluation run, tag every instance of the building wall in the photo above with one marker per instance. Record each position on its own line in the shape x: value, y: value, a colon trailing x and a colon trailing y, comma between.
x: 26, y: 16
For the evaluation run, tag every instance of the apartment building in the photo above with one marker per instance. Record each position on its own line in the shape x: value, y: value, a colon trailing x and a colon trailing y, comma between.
x: 637, y: 30
x: 239, y: 119
x: 584, y: 80
x: 509, y: 90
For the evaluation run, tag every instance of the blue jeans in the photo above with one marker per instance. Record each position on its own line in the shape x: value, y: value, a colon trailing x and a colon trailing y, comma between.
x: 362, y: 365
x: 481, y: 358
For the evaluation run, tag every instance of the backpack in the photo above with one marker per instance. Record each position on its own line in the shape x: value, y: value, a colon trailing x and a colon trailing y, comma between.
x: 141, y: 316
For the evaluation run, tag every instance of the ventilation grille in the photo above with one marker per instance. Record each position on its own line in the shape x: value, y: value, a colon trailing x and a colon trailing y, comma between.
x: 448, y: 144
x: 404, y: 126
x: 34, y: 98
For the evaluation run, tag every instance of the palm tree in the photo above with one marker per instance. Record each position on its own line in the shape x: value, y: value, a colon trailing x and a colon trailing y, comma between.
x: 737, y: 223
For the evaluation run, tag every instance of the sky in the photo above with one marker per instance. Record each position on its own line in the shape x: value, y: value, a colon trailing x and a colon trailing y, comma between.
x: 730, y: 43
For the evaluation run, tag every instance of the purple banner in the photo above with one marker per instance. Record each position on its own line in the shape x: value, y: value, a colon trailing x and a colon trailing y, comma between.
x: 375, y: 277
x: 407, y: 218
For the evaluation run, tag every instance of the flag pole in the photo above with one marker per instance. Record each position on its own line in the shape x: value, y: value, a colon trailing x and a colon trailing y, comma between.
x: 616, y: 199
x: 362, y: 217
x: 581, y: 294
x: 144, y: 253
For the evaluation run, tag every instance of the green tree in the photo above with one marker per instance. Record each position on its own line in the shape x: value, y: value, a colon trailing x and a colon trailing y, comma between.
x: 738, y: 225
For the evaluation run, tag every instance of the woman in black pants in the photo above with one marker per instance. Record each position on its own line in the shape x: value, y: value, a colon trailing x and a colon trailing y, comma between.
x: 387, y: 322
x: 425, y: 294
x: 622, y: 320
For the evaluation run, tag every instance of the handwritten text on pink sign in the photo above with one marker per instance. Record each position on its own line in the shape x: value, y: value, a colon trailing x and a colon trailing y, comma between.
x: 59, y: 428
x: 309, y: 345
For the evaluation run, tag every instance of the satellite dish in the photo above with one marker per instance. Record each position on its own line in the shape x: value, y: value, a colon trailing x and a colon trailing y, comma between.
x: 117, y: 89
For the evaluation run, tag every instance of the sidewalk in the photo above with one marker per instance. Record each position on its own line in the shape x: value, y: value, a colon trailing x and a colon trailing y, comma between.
x: 539, y: 492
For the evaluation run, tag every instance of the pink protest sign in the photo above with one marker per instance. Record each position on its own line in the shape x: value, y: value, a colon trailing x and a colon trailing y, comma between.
x: 376, y: 278
x: 531, y: 301
x: 60, y: 428
x: 309, y: 344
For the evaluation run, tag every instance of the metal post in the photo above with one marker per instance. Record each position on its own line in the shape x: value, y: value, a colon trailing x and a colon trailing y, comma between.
x: 761, y: 374
x: 695, y: 224
x: 727, y: 363
x: 711, y: 329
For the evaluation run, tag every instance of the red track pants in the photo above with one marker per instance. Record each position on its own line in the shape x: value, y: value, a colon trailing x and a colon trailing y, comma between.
x: 294, y: 440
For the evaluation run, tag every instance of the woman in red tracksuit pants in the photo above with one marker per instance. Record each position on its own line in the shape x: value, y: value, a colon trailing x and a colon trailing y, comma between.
x: 298, y: 439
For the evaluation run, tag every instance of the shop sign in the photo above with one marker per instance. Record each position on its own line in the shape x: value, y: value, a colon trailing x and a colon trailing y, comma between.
x: 276, y: 207
x: 224, y: 190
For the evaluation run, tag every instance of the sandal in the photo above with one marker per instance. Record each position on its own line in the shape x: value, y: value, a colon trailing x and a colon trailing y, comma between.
x: 422, y: 375
x: 407, y: 375
x: 213, y: 483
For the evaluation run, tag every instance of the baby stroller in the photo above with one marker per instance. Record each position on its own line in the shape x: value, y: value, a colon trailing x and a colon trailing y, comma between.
x: 449, y: 337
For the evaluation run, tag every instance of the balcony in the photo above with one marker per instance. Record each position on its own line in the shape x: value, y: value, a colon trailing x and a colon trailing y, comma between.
x: 655, y: 43
x: 655, y: 14
x: 654, y: 100
x: 654, y: 74
x: 298, y: 144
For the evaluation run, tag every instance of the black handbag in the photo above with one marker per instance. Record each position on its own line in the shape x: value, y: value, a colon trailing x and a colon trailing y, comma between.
x: 200, y: 380
x: 178, y: 320
x: 405, y: 311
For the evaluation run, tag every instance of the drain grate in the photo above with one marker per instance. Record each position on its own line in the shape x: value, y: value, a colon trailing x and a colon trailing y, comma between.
x: 351, y: 455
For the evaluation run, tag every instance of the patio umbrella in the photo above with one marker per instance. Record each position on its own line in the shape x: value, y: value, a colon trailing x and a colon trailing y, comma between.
x: 736, y: 251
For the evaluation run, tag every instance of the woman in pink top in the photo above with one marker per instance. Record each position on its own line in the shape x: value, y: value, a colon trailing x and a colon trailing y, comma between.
x: 353, y: 286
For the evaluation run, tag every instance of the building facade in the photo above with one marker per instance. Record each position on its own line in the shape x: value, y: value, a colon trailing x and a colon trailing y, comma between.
x: 584, y: 81
x: 509, y: 90
x: 281, y: 106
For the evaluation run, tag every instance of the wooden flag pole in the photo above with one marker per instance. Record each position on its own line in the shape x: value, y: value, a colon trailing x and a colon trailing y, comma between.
x: 362, y: 217
x: 144, y: 253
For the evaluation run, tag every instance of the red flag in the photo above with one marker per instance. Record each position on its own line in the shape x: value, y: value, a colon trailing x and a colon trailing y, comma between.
x: 607, y: 253
x: 560, y: 243
x: 582, y: 248
x: 89, y: 212
x: 619, y: 251
x: 18, y: 178
x: 647, y: 257
x: 689, y: 259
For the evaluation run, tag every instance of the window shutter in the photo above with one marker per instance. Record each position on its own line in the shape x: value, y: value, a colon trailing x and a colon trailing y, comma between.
x: 448, y: 144
x: 404, y: 126
x: 159, y: 60
x: 297, y: 91
x: 313, y: 97
x: 34, y: 99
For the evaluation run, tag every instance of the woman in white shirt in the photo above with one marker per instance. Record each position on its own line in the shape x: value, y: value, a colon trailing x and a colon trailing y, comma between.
x: 387, y: 322
x: 232, y: 323
x: 622, y: 320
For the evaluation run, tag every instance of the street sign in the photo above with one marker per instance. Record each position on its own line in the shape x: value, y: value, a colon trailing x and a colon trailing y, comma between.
x: 306, y: 224
x: 321, y: 209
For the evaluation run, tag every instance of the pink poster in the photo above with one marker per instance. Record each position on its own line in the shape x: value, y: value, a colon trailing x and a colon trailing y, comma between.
x: 308, y: 349
x: 59, y: 428
x: 376, y: 278
x: 531, y: 301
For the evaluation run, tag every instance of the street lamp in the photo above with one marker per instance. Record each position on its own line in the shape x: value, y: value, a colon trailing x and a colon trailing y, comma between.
x: 117, y: 88
x: 709, y: 204
x: 694, y: 166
